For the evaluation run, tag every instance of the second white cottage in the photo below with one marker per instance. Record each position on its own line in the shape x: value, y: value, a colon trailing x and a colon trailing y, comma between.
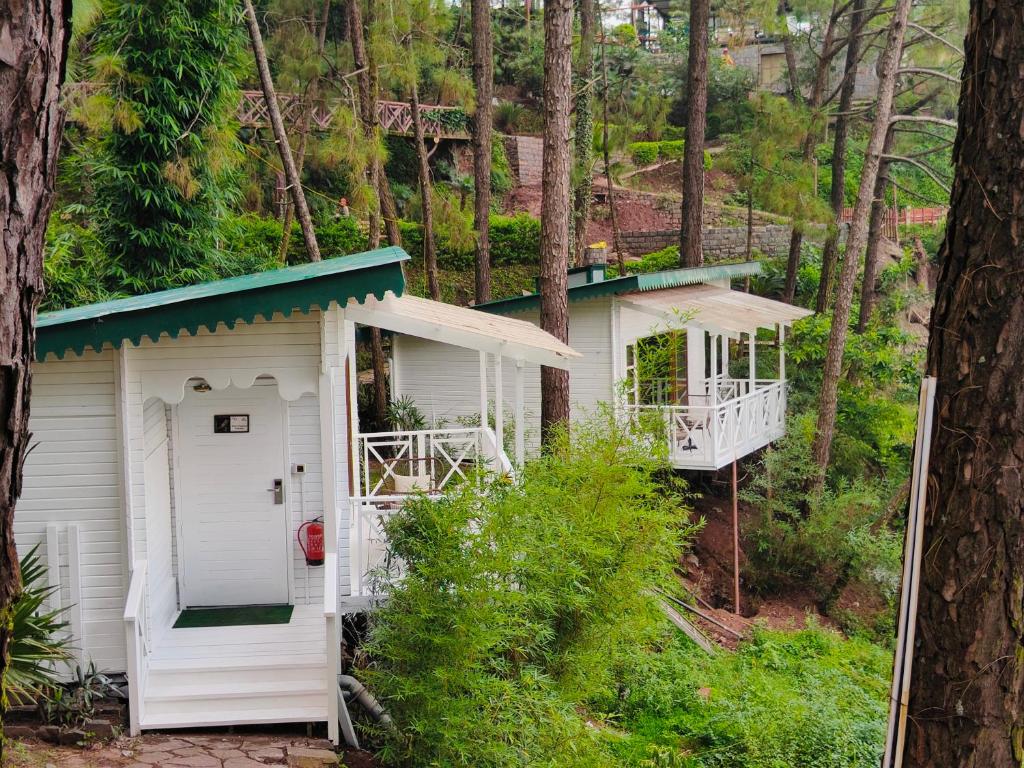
x: 723, y: 393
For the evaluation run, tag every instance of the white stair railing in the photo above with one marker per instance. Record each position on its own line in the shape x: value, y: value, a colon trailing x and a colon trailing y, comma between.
x: 333, y: 637
x: 137, y: 645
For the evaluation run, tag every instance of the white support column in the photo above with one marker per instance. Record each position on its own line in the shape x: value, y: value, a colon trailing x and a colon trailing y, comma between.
x: 714, y: 370
x: 483, y: 390
x: 752, y: 339
x: 499, y: 406
x: 725, y: 356
x: 782, y: 352
x: 695, y: 361
x: 520, y: 415
x: 329, y: 462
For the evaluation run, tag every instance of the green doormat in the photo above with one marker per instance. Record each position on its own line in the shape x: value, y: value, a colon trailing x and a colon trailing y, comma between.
x: 234, y: 616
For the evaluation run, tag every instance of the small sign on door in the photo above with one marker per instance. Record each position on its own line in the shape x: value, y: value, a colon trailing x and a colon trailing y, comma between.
x: 230, y: 423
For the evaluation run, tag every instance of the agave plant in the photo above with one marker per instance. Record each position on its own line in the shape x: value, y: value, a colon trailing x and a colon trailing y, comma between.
x: 39, y: 641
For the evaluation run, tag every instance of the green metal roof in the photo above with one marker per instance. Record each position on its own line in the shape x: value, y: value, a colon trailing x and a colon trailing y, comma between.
x: 228, y: 301
x: 648, y: 281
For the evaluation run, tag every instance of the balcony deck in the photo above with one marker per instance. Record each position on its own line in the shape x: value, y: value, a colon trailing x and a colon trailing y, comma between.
x: 742, y: 418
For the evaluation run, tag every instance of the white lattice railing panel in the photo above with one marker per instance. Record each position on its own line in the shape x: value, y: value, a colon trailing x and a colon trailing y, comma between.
x: 399, y: 463
x: 704, y: 436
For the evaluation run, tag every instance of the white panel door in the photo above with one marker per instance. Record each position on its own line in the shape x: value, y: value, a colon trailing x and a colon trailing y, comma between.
x: 234, y: 528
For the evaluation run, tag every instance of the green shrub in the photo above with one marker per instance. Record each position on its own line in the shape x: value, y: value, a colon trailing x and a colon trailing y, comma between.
x: 808, y: 699
x: 516, y: 605
x: 643, y: 152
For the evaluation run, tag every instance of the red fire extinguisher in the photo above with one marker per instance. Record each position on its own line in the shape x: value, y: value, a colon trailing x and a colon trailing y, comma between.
x: 311, y: 540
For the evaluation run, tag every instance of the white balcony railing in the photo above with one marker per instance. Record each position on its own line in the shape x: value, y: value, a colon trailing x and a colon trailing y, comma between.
x: 396, y: 465
x: 704, y: 434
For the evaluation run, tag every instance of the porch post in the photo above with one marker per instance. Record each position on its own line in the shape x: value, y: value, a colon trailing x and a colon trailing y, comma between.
x: 520, y: 415
x: 714, y: 370
x: 499, y: 410
x: 694, y: 362
x: 483, y: 390
x: 725, y: 357
x: 752, y: 339
x: 782, y: 352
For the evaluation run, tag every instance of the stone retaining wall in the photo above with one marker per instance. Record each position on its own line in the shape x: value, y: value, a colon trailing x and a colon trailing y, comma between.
x: 525, y: 158
x: 720, y: 243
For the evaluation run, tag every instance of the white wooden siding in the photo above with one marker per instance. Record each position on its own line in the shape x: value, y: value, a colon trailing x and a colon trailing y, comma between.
x: 305, y: 491
x: 77, y: 470
x: 445, y: 380
x: 162, y: 592
x: 72, y: 476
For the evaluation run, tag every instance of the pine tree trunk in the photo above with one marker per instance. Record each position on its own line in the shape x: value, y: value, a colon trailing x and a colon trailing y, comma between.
x: 280, y: 135
x: 691, y: 230
x: 789, y: 51
x: 426, y: 192
x: 33, y: 54
x: 875, y: 221
x: 796, y: 239
x: 967, y: 687
x: 366, y: 87
x: 483, y: 130
x: 311, y: 100
x: 584, y: 139
x: 888, y: 66
x: 555, y: 206
x: 837, y: 193
x: 606, y: 150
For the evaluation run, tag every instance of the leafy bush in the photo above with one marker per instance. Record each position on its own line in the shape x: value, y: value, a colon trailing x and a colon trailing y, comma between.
x: 807, y: 699
x: 77, y: 269
x: 643, y: 152
x: 647, y: 152
x: 516, y: 605
x: 38, y: 639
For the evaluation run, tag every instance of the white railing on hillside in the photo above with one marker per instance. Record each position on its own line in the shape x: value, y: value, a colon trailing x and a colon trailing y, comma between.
x: 137, y: 644
x: 702, y: 435
x: 397, y: 465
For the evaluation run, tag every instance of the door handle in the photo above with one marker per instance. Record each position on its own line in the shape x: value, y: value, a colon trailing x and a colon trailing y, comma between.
x: 278, y: 491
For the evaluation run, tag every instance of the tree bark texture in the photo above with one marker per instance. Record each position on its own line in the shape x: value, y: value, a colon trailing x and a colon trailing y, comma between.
x: 426, y: 192
x: 483, y: 133
x: 789, y: 51
x: 691, y: 229
x: 555, y: 206
x: 34, y: 37
x: 817, y: 97
x: 280, y: 135
x: 311, y: 98
x: 837, y: 192
x: 888, y: 66
x: 871, y: 257
x: 967, y: 686
x: 583, y: 194
x: 606, y: 151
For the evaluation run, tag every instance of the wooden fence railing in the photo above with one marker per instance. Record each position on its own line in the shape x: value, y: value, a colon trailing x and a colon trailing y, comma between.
x: 439, y: 121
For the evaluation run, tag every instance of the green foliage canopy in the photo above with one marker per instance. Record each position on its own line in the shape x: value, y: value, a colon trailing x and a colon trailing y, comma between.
x: 166, y: 137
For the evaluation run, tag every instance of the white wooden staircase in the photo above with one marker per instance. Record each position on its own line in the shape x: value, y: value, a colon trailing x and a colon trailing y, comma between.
x: 218, y: 676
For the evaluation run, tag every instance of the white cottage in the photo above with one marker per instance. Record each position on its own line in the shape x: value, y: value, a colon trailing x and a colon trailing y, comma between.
x: 182, y: 438
x: 716, y: 405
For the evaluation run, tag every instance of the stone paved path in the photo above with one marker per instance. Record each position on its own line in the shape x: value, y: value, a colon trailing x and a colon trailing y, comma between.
x: 187, y: 750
